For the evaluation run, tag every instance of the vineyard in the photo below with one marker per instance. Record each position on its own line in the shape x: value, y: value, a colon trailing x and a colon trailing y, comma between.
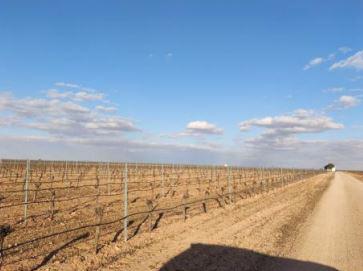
x: 357, y: 174
x: 51, y: 206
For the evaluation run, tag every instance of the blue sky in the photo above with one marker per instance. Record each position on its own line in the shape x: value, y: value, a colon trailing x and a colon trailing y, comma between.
x: 183, y: 81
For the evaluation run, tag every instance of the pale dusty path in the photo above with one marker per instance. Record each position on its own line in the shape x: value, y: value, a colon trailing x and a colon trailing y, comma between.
x: 333, y: 235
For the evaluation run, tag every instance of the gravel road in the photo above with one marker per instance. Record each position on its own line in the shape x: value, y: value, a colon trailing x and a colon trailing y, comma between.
x: 333, y: 234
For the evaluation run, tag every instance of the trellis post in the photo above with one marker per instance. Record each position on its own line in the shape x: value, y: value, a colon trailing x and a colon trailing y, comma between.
x: 108, y: 179
x: 162, y: 180
x: 26, y: 188
x: 125, y: 202
x: 229, y: 184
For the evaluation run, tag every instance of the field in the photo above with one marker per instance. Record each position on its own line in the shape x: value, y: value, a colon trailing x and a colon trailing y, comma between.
x: 357, y: 174
x: 58, y: 209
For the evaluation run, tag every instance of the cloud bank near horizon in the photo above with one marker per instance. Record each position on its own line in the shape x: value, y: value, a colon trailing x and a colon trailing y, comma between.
x: 76, y: 123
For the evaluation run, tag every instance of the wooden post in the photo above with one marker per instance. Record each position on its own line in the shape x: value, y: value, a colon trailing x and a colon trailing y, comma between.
x: 162, y: 181
x: 229, y: 185
x: 37, y: 188
x: 26, y: 188
x: 150, y: 207
x: 184, y: 204
x: 67, y: 174
x: 108, y: 179
x: 125, y: 203
x: 99, y: 214
x: 52, y: 204
x: 204, y: 204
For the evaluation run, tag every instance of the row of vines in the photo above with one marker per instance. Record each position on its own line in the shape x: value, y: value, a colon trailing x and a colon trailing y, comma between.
x: 51, y: 205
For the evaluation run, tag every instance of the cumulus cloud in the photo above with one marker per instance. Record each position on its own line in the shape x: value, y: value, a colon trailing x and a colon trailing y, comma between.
x: 83, y: 95
x: 314, y: 62
x: 107, y: 124
x: 281, y: 131
x: 60, y: 120
x: 198, y: 129
x: 355, y: 61
x: 61, y: 127
x: 40, y: 107
x: 107, y: 109
x: 346, y: 101
x: 203, y: 127
x: 63, y: 117
x: 300, y: 121
x: 67, y: 85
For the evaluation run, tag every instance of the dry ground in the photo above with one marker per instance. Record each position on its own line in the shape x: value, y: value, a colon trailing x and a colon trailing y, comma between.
x: 253, y: 234
x: 78, y: 192
x: 313, y: 224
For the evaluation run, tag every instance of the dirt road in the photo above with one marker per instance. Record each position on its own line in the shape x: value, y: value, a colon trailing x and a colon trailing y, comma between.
x: 333, y: 235
x: 314, y: 224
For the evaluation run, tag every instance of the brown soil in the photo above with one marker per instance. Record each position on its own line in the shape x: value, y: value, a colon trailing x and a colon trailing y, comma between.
x: 252, y: 234
x: 79, y: 194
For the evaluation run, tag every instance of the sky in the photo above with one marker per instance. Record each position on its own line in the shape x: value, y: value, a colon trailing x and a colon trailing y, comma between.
x: 247, y: 83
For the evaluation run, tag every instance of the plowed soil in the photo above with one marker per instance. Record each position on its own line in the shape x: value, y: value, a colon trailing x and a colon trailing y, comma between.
x: 313, y: 224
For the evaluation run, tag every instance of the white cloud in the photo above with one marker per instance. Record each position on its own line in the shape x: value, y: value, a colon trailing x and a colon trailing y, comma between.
x: 314, y: 62
x: 344, y: 49
x: 105, y: 148
x: 83, y: 95
x: 202, y: 127
x: 87, y: 96
x: 75, y: 108
x: 346, y: 154
x: 355, y: 61
x: 300, y: 121
x: 55, y: 94
x: 319, y: 60
x: 281, y: 131
x: 63, y: 117
x: 110, y: 124
x: 7, y: 121
x: 106, y: 109
x: 65, y: 128
x: 67, y: 85
x: 346, y: 101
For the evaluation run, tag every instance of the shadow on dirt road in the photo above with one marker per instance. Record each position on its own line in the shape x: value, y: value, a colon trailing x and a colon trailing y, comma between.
x: 212, y: 257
